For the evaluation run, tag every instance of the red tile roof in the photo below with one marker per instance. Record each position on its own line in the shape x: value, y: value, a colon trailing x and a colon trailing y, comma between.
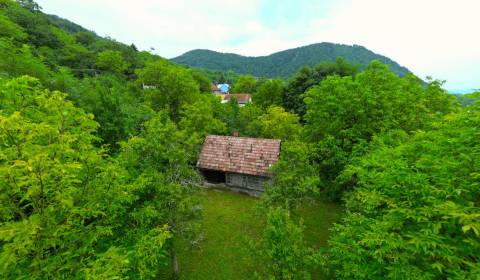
x: 253, y: 156
x: 242, y: 98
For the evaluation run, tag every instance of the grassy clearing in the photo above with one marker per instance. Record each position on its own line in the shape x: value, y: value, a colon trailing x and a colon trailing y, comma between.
x: 230, y: 219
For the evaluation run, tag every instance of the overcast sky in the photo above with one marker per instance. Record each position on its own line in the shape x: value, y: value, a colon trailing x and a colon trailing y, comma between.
x: 438, y: 38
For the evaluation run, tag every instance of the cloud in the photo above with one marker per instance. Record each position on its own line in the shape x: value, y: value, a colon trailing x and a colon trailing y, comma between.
x: 430, y: 37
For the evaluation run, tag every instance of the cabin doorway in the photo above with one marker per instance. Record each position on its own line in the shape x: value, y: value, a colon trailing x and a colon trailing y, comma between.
x: 214, y: 177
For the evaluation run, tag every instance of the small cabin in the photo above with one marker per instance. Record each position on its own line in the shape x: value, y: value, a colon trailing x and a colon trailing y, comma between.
x: 238, y: 163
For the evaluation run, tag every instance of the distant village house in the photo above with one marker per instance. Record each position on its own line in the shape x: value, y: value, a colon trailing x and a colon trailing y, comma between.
x: 224, y: 88
x: 238, y: 163
x: 242, y: 98
x: 144, y: 86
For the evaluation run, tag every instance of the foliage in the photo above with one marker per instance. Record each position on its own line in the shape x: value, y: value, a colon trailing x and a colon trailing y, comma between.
x: 198, y: 120
x: 269, y: 93
x: 306, y: 78
x: 158, y: 162
x: 295, y: 177
x: 286, y: 63
x: 245, y: 84
x: 276, y: 124
x: 344, y: 113
x: 59, y: 213
x: 10, y: 29
x: 203, y: 81
x: 284, y: 248
x: 468, y: 98
x: 173, y: 86
x: 66, y: 25
x: 116, y: 109
x: 414, y: 213
x: 99, y: 182
x: 111, y: 61
x: 20, y: 61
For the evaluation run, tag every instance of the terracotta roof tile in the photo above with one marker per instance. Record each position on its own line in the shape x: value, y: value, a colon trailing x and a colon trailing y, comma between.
x: 243, y: 155
x: 242, y: 98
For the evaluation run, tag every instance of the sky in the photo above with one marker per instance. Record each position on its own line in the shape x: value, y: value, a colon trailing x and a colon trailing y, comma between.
x: 436, y: 38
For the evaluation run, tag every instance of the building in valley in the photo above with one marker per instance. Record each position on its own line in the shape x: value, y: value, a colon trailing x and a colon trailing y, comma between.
x: 238, y: 163
x: 242, y: 98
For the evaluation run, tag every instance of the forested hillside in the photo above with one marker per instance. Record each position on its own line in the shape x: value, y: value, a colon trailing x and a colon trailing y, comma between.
x: 99, y: 143
x: 285, y: 63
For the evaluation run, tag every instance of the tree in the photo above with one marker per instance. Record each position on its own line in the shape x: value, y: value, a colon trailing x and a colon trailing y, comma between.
x: 62, y: 204
x: 116, y: 109
x: 244, y: 84
x: 204, y: 83
x: 34, y: 23
x: 10, y: 29
x: 85, y: 38
x: 247, y: 118
x: 20, y: 61
x: 30, y: 5
x: 295, y: 177
x: 173, y: 87
x: 277, y: 124
x: 159, y: 163
x: 307, y: 78
x: 414, y: 211
x: 287, y: 256
x: 198, y: 120
x: 269, y: 93
x: 344, y: 113
x: 111, y: 61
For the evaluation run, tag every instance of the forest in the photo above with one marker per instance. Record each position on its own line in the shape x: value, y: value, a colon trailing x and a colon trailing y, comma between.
x: 98, y: 176
x: 285, y: 63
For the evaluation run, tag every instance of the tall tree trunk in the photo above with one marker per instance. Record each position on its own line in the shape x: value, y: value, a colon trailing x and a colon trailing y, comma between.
x: 176, y: 272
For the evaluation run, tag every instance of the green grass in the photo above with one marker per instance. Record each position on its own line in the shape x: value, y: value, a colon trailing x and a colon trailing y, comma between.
x: 229, y: 221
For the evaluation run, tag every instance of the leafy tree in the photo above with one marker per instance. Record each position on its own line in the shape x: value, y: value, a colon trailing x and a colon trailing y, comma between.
x: 244, y: 84
x: 295, y: 177
x: 30, y: 5
x: 79, y: 58
x: 159, y: 163
x: 173, y: 87
x: 34, y: 23
x: 198, y: 120
x: 414, y: 211
x: 344, y: 113
x: 277, y: 124
x: 118, y: 112
x: 61, y: 204
x: 10, y: 29
x: 307, y: 78
x: 269, y: 93
x: 284, y: 249
x: 64, y: 81
x: 111, y: 61
x: 85, y: 38
x: 204, y: 83
x: 20, y: 61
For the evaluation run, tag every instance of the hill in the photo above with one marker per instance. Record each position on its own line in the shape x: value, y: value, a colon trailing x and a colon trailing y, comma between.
x: 65, y: 24
x: 285, y: 63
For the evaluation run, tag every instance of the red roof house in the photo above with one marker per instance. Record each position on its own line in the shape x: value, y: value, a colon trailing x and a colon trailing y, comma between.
x: 241, y: 163
x: 242, y: 98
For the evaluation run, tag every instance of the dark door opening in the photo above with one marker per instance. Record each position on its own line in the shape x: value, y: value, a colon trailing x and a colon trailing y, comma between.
x: 215, y: 177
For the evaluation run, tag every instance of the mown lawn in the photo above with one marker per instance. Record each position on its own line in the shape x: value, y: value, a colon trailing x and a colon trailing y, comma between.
x: 229, y: 221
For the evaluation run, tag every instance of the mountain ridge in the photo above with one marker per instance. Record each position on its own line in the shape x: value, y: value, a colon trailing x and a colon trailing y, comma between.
x: 284, y: 64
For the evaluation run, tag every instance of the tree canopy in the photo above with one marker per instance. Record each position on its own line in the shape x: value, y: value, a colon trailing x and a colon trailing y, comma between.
x: 99, y: 143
